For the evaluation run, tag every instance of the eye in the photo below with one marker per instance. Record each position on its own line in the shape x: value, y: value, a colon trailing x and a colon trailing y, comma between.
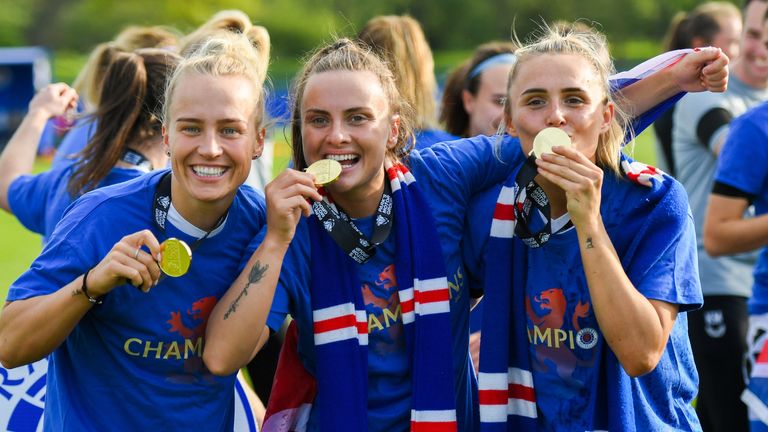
x: 190, y: 129
x: 317, y: 121
x: 499, y: 100
x: 357, y: 118
x: 535, y: 102
x: 230, y: 131
x: 574, y: 100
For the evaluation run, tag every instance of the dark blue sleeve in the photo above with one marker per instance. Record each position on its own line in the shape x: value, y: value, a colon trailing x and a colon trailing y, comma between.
x: 476, y: 233
x: 28, y: 199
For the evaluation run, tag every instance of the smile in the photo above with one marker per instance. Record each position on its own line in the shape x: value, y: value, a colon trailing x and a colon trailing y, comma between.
x: 345, y: 160
x: 208, y: 171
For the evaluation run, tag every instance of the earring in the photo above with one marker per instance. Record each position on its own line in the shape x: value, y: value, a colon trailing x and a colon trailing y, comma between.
x: 168, y: 153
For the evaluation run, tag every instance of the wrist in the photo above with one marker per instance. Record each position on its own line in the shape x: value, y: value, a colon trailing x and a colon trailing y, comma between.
x: 89, y: 294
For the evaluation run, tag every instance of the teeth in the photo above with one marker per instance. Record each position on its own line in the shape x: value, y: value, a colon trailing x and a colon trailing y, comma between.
x: 208, y: 171
x: 340, y: 158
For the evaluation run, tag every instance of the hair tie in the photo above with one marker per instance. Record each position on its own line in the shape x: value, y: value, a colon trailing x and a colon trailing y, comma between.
x: 498, y: 59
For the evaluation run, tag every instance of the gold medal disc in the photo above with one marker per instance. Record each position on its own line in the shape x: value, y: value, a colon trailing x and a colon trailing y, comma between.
x: 325, y: 171
x: 548, y: 138
x: 175, y: 257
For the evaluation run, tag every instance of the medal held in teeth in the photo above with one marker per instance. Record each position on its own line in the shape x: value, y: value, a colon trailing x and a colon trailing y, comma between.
x: 548, y: 138
x: 175, y: 258
x: 325, y: 171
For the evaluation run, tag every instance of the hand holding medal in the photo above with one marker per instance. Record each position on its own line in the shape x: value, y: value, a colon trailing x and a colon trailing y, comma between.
x: 175, y: 257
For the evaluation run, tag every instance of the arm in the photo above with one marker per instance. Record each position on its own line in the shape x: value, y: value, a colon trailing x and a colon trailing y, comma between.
x: 237, y: 325
x: 638, y: 335
x: 18, y: 157
x: 727, y: 232
x: 32, y: 328
x: 702, y: 70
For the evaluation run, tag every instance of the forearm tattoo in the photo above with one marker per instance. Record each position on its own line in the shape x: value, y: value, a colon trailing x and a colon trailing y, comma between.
x: 257, y: 273
x: 76, y: 292
x: 589, y: 243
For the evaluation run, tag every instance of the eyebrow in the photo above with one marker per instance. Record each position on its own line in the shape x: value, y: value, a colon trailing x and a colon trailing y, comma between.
x: 346, y: 111
x: 565, y: 90
x: 197, y: 120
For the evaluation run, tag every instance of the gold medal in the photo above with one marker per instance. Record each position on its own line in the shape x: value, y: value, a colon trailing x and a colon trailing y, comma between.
x: 325, y: 171
x: 175, y: 257
x: 548, y: 138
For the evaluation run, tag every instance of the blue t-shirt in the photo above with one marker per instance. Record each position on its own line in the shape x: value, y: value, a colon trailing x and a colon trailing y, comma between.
x: 576, y: 375
x: 39, y: 201
x: 428, y: 137
x: 135, y: 362
x: 74, y: 141
x: 447, y: 174
x: 743, y: 164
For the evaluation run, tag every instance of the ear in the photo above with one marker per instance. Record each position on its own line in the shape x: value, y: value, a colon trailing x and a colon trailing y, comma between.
x: 394, y: 132
x: 166, y: 144
x: 258, y: 146
x: 509, y: 126
x: 468, y: 100
x: 609, y: 111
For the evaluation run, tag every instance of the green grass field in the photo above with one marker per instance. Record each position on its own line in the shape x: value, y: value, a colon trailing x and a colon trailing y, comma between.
x: 18, y: 247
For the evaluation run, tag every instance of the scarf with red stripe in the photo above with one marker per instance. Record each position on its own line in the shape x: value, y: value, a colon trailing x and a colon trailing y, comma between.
x: 341, y: 322
x: 507, y: 396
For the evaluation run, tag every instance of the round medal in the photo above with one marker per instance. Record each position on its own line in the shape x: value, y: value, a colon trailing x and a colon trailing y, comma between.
x: 175, y: 257
x: 325, y: 171
x: 548, y: 138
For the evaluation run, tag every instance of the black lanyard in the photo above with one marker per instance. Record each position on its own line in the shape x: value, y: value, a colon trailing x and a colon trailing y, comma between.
x: 137, y: 159
x: 524, y: 204
x: 162, y: 203
x: 344, y: 232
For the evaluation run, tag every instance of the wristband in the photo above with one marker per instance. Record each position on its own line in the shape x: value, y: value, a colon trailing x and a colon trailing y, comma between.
x: 94, y: 300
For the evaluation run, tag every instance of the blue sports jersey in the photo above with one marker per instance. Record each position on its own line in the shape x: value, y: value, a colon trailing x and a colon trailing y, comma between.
x: 135, y: 362
x: 39, y: 201
x: 74, y: 141
x: 576, y: 376
x: 447, y: 174
x: 742, y: 165
x: 428, y: 137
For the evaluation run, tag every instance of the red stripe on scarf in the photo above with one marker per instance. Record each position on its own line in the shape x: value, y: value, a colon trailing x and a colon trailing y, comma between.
x: 341, y: 322
x: 518, y: 391
x: 433, y: 426
x: 493, y: 397
x: 431, y: 296
x: 504, y: 212
x: 407, y: 306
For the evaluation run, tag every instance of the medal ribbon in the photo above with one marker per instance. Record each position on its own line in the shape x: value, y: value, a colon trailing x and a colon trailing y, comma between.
x: 137, y: 159
x: 161, y: 205
x: 530, y: 195
x: 347, y: 236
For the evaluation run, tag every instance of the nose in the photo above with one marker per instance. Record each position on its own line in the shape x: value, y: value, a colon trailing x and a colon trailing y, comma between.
x: 210, y: 146
x: 555, y: 115
x: 337, y: 133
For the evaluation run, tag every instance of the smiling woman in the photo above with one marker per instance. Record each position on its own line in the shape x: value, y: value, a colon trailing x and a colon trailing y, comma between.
x: 94, y: 301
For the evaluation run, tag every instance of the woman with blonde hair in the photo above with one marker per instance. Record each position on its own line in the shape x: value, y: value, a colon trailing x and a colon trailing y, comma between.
x: 590, y: 264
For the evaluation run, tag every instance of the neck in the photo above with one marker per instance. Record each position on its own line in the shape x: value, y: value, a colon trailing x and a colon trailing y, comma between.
x: 558, y: 203
x: 153, y: 151
x: 204, y: 215
x: 361, y: 204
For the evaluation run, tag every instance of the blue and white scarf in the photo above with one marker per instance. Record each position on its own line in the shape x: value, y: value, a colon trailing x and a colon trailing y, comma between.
x: 341, y: 323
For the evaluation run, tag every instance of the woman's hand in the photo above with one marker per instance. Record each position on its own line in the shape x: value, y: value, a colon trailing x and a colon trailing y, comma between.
x: 287, y: 197
x: 54, y: 100
x: 705, y: 69
x: 581, y: 180
x: 128, y: 261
